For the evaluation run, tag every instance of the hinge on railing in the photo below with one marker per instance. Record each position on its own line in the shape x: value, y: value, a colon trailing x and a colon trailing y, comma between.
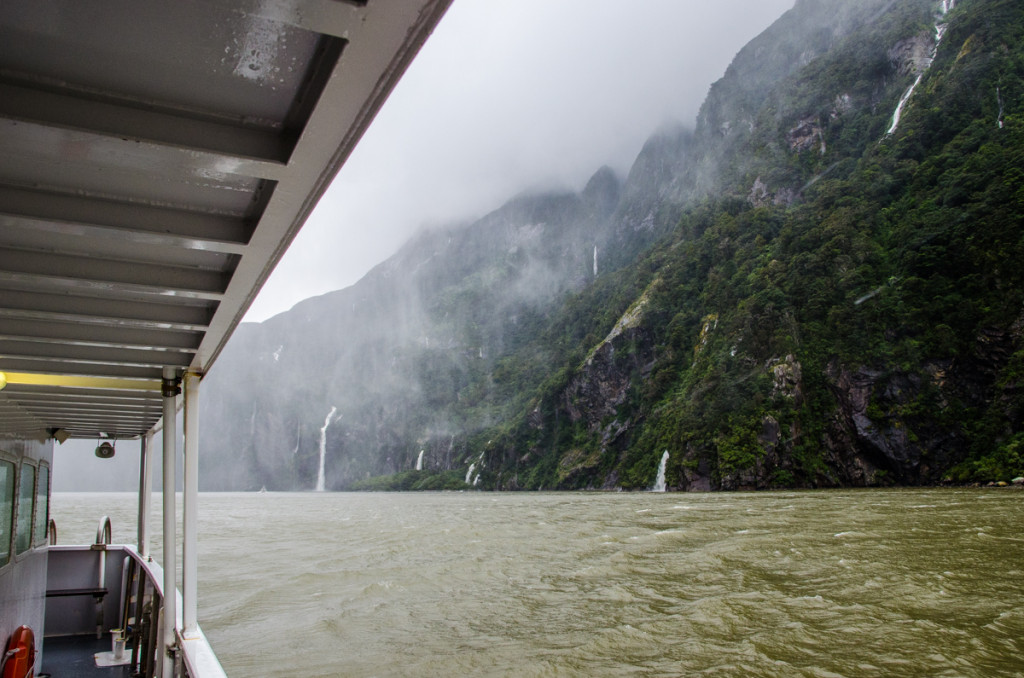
x: 174, y: 653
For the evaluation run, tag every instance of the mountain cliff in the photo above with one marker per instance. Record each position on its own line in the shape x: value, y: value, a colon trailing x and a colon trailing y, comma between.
x: 818, y: 285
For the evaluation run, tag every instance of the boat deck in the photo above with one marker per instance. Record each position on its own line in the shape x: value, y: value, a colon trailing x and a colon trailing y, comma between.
x: 72, y: 657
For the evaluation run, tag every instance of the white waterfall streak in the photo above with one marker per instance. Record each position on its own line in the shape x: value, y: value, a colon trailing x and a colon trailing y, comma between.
x: 419, y: 461
x: 999, y: 118
x: 940, y: 31
x: 469, y: 473
x: 659, y: 482
x: 595, y: 261
x: 320, y: 481
x: 899, y: 107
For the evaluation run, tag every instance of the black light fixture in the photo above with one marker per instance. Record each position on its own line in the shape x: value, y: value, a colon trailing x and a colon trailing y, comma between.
x: 105, y: 450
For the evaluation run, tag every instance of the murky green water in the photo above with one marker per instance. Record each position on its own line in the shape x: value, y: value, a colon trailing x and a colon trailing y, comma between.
x: 841, y: 583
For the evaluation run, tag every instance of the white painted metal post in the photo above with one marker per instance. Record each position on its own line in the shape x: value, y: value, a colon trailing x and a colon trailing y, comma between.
x: 169, y: 616
x: 145, y: 493
x: 189, y: 566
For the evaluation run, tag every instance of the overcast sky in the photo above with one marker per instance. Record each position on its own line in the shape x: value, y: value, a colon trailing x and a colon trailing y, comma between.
x: 507, y: 96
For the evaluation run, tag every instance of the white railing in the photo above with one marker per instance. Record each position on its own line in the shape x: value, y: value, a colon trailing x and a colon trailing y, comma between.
x: 191, y: 654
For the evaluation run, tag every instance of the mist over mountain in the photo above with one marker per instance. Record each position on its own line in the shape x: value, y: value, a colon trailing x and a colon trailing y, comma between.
x: 818, y: 285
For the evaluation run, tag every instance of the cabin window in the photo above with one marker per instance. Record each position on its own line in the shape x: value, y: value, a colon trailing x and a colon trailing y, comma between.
x: 26, y: 494
x: 6, y: 509
x: 42, y: 504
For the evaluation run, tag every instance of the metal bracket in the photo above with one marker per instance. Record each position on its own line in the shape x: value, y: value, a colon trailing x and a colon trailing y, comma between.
x: 170, y: 387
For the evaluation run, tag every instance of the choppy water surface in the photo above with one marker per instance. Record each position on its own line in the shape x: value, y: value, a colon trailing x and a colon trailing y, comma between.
x: 862, y: 583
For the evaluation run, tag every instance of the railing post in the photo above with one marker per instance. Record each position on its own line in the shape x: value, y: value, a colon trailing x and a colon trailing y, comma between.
x: 189, y: 565
x: 169, y: 617
x: 145, y: 493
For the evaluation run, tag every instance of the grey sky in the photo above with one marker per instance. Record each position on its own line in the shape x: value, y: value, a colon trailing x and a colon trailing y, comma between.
x: 509, y: 95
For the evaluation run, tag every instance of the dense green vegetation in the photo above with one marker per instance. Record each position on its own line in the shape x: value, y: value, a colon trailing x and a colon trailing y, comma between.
x: 412, y: 481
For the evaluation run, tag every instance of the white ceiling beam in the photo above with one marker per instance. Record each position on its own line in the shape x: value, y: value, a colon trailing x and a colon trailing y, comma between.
x: 80, y: 370
x: 95, y: 355
x: 99, y: 311
x: 63, y: 215
x: 135, y: 124
x: 141, y: 277
x: 98, y: 335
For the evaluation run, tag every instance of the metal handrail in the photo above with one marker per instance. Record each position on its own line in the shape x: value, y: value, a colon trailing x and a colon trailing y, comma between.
x: 52, y: 529
x: 102, y: 541
x: 103, y: 531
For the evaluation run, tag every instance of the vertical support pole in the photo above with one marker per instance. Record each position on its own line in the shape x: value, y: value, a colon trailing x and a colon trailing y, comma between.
x: 189, y: 565
x: 169, y: 390
x: 145, y: 493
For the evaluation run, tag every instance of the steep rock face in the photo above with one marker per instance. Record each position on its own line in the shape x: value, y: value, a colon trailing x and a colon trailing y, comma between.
x: 872, y: 445
x: 603, y: 382
x: 913, y: 56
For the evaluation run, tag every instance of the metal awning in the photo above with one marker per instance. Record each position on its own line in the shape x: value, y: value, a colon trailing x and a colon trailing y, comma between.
x: 156, y: 159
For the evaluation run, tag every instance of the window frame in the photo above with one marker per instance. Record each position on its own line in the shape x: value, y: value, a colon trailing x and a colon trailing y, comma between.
x: 18, y: 553
x: 13, y: 503
x: 44, y: 533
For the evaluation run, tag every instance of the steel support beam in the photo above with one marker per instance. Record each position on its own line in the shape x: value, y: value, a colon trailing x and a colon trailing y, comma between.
x: 97, y: 310
x: 62, y: 215
x: 189, y: 566
x: 253, y: 150
x: 145, y: 493
x: 94, y: 334
x: 71, y: 271
x: 170, y: 615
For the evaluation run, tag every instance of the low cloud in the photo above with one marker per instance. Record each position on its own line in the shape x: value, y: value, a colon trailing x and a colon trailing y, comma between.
x: 507, y: 96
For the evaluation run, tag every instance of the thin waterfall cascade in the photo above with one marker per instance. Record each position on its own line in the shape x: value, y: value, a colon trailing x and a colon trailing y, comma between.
x: 419, y: 461
x: 595, y: 261
x: 903, y: 102
x: 320, y: 480
x: 940, y: 31
x: 469, y: 473
x: 659, y: 482
x: 999, y: 118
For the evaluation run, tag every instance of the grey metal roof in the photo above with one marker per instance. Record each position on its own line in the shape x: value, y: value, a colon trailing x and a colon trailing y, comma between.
x: 156, y: 159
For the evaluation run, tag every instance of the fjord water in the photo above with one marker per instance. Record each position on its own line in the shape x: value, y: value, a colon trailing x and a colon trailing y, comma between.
x: 831, y: 583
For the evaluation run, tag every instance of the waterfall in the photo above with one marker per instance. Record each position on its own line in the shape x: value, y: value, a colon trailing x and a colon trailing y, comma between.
x: 469, y: 473
x: 899, y: 107
x: 419, y: 461
x: 323, y: 449
x: 999, y: 118
x: 940, y: 30
x: 595, y: 261
x: 659, y: 483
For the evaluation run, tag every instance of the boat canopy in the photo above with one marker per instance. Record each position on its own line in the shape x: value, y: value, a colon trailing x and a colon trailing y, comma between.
x: 156, y: 160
